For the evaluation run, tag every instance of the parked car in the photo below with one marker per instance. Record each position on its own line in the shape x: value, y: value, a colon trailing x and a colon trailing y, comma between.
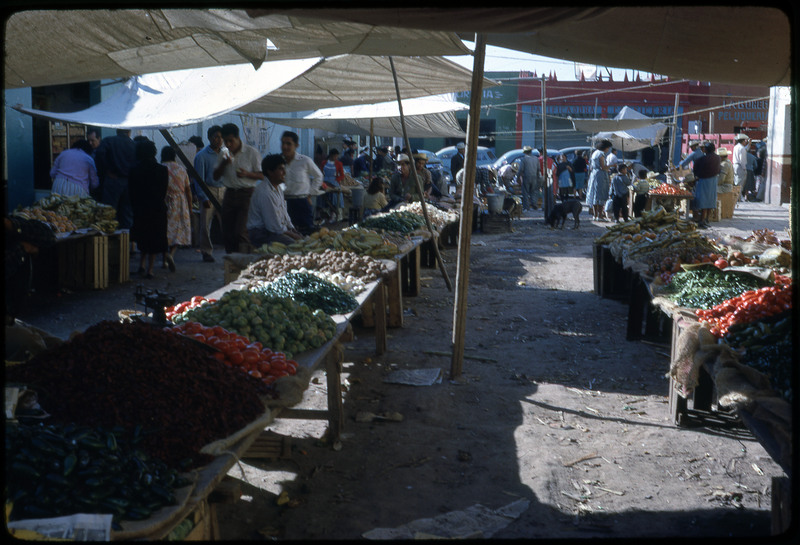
x: 485, y: 157
x: 571, y: 152
x: 515, y: 156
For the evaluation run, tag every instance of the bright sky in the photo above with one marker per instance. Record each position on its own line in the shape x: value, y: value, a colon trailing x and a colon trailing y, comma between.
x: 499, y: 59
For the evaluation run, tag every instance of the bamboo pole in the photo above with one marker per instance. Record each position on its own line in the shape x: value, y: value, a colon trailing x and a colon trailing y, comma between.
x: 417, y: 182
x: 371, y: 125
x: 467, y: 194
x: 190, y: 168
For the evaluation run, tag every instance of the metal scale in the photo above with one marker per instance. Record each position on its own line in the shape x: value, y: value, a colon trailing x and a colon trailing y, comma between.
x: 155, y: 301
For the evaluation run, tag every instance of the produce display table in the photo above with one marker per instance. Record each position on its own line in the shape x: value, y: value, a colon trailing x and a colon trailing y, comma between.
x: 719, y: 382
x: 611, y: 279
x: 329, y: 356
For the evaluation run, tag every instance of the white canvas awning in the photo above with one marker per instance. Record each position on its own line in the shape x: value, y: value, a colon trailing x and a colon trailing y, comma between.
x: 48, y: 47
x: 684, y: 41
x: 424, y: 117
x: 182, y: 97
x: 633, y: 139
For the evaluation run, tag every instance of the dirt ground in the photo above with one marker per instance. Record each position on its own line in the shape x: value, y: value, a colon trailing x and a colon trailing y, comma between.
x: 554, y: 407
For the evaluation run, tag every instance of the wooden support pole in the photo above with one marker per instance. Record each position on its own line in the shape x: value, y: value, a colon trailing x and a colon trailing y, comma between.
x: 416, y: 179
x: 190, y: 168
x: 467, y: 194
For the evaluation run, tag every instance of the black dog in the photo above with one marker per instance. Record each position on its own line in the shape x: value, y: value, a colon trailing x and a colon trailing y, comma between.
x: 560, y: 212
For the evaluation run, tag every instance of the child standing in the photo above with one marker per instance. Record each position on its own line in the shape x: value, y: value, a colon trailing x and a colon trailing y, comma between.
x: 641, y: 187
x: 619, y: 191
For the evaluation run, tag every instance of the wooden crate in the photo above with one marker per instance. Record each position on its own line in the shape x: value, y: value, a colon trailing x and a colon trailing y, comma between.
x: 270, y: 445
x: 727, y: 203
x: 83, y: 263
x: 119, y: 257
x: 495, y: 223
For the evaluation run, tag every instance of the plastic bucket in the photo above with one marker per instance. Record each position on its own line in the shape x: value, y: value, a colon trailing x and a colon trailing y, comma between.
x: 495, y: 202
x: 357, y: 195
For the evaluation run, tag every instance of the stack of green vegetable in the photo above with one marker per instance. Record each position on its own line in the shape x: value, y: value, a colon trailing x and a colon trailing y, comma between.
x: 396, y: 221
x: 280, y: 324
x: 707, y: 286
x: 59, y: 470
x: 767, y: 346
x: 312, y: 290
x: 82, y: 211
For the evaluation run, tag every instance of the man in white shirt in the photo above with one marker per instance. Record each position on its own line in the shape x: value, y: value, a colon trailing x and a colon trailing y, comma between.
x: 303, y: 183
x: 739, y: 161
x: 239, y: 169
x: 268, y: 221
x: 612, y: 160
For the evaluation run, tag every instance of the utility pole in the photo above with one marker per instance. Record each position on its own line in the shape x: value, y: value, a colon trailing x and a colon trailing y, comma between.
x: 548, y: 181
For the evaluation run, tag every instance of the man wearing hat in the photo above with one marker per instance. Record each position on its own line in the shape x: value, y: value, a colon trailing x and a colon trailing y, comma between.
x: 695, y: 154
x: 347, y: 156
x: 739, y: 162
x: 383, y: 161
x: 507, y: 173
x: 529, y: 174
x: 361, y: 164
x: 725, y: 178
x: 402, y: 186
x: 424, y: 175
x: 457, y: 161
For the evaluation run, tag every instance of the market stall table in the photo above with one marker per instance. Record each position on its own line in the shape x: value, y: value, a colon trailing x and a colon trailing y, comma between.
x: 329, y: 356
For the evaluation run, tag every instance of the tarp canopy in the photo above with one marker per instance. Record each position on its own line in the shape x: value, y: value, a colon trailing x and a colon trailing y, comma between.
x: 48, y: 47
x: 182, y: 97
x: 424, y: 117
x: 700, y: 42
x: 633, y: 139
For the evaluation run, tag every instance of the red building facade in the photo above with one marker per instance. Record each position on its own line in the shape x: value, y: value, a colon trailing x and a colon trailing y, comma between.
x: 703, y: 107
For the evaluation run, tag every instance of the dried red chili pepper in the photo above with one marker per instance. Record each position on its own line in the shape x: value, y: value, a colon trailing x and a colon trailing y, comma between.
x: 136, y: 374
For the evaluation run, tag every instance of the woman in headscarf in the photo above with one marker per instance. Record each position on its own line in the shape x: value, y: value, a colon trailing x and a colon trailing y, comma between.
x: 147, y: 184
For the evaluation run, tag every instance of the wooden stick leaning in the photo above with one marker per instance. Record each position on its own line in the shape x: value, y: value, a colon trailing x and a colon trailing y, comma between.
x: 418, y: 183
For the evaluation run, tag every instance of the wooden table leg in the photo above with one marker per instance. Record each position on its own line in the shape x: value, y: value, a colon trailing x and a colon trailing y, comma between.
x: 333, y: 368
x: 368, y: 312
x: 395, y: 296
x: 413, y: 271
x: 379, y: 312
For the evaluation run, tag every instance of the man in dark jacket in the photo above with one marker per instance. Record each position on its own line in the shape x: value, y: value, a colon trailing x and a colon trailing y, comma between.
x: 457, y: 160
x: 114, y: 158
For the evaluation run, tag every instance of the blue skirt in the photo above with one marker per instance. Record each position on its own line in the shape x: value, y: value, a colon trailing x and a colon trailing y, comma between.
x: 580, y: 177
x: 597, y: 192
x: 705, y: 193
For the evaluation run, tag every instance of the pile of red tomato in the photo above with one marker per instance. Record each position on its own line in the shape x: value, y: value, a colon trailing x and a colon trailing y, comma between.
x: 748, y: 307
x: 180, y: 308
x: 237, y: 351
x: 669, y: 189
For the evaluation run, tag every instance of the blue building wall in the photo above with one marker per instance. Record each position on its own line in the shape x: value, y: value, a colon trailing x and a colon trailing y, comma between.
x: 18, y: 150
